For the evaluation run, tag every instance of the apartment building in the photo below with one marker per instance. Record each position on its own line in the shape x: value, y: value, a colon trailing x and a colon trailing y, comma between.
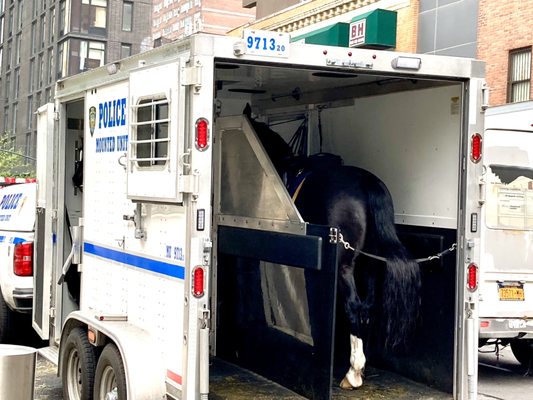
x: 175, y: 19
x: 45, y: 40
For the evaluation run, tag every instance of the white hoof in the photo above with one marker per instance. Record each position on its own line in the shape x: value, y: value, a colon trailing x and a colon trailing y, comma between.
x: 352, y: 380
x: 354, y: 376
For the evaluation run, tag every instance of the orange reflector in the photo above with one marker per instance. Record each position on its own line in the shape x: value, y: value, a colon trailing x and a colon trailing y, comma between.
x: 202, y: 134
x: 475, y: 152
x: 471, y: 280
x: 484, y: 324
x: 91, y: 336
x: 198, y: 282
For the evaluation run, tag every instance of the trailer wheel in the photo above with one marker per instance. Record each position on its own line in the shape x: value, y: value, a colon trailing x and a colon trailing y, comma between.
x: 78, y: 364
x: 523, y: 351
x: 110, y: 381
x: 6, y: 320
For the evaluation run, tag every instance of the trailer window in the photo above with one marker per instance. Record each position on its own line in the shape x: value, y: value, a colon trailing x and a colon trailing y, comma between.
x: 150, y: 141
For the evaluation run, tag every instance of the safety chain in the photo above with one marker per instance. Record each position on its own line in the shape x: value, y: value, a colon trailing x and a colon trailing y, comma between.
x: 348, y: 246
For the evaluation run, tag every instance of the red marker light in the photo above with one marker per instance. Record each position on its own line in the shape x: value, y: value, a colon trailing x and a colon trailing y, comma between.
x: 198, y: 282
x: 471, y: 280
x: 202, y: 134
x: 475, y: 145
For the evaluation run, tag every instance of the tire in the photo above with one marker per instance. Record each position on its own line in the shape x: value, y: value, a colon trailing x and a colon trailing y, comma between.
x: 110, y: 377
x: 6, y: 321
x: 523, y: 351
x: 78, y: 364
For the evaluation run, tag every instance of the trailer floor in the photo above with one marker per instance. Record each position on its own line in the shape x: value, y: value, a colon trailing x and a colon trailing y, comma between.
x: 230, y: 382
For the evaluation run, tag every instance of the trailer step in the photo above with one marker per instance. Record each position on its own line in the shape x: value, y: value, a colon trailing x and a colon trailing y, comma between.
x: 51, y: 353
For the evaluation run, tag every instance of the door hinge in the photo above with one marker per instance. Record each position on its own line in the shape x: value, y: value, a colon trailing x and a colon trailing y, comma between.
x: 56, y: 115
x: 190, y: 183
x: 192, y: 76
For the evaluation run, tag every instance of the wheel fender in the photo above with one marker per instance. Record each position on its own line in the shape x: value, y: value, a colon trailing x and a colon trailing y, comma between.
x: 141, y: 354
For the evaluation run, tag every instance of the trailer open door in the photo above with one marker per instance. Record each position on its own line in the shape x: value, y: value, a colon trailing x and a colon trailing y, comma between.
x: 43, y: 249
x: 276, y: 273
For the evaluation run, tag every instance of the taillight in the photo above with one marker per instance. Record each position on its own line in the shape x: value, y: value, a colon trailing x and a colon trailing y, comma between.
x: 471, y: 279
x: 202, y: 134
x: 475, y: 147
x: 23, y: 259
x: 198, y: 282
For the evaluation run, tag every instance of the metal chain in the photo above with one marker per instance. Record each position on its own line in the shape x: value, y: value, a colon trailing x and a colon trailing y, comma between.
x: 348, y: 246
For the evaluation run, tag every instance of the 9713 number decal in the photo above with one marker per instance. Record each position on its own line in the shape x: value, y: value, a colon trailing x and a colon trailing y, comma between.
x: 267, y: 43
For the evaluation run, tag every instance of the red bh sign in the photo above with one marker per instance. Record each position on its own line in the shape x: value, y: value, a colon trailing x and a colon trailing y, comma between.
x: 357, y: 32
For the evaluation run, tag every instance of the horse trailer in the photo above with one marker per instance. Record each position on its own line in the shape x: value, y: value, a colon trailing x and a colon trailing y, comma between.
x: 506, y: 276
x: 175, y: 263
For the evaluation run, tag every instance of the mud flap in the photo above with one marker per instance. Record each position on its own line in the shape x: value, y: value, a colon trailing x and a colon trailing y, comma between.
x: 276, y: 305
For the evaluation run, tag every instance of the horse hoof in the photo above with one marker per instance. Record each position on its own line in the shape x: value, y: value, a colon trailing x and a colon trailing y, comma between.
x: 345, y: 384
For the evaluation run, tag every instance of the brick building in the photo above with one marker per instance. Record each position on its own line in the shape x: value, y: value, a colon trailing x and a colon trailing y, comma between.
x: 174, y: 19
x: 505, y: 37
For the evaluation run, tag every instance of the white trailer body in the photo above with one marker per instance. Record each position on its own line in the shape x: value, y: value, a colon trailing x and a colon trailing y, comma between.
x: 179, y: 208
x: 506, y: 278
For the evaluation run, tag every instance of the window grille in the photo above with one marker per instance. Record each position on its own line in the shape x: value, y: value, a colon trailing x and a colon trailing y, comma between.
x: 150, y: 142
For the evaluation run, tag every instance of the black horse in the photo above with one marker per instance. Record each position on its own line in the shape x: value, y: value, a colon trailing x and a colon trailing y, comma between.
x: 382, y: 291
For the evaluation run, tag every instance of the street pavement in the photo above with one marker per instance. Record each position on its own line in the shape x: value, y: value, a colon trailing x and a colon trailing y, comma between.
x: 501, y: 377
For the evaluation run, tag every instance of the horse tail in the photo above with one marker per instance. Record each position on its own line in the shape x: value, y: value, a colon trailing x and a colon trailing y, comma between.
x: 401, y: 285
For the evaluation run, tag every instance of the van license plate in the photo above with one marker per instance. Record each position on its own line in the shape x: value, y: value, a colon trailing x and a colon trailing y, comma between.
x: 511, y: 291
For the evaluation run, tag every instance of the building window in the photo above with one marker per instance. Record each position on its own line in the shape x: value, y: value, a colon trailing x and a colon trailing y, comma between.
x: 8, y: 55
x: 50, y: 66
x: 29, y: 114
x: 42, y: 30
x: 81, y: 55
x: 6, y: 120
x: 31, y: 83
x: 127, y: 16
x: 519, y: 75
x: 40, y: 72
x: 17, y: 49
x: 14, y: 120
x: 10, y: 23
x: 7, y: 87
x: 89, y: 16
x: 62, y: 18
x: 61, y: 60
x: 33, y: 33
x: 125, y: 50
x: 19, y: 15
x: 1, y: 28
x: 16, y: 84
x: 52, y: 25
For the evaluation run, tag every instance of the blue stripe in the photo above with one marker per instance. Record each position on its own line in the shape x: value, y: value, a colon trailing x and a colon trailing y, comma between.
x: 173, y: 270
x: 14, y: 240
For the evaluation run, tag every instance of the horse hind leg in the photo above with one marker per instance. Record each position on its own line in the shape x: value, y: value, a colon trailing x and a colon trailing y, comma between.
x: 354, y: 377
x: 353, y: 308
